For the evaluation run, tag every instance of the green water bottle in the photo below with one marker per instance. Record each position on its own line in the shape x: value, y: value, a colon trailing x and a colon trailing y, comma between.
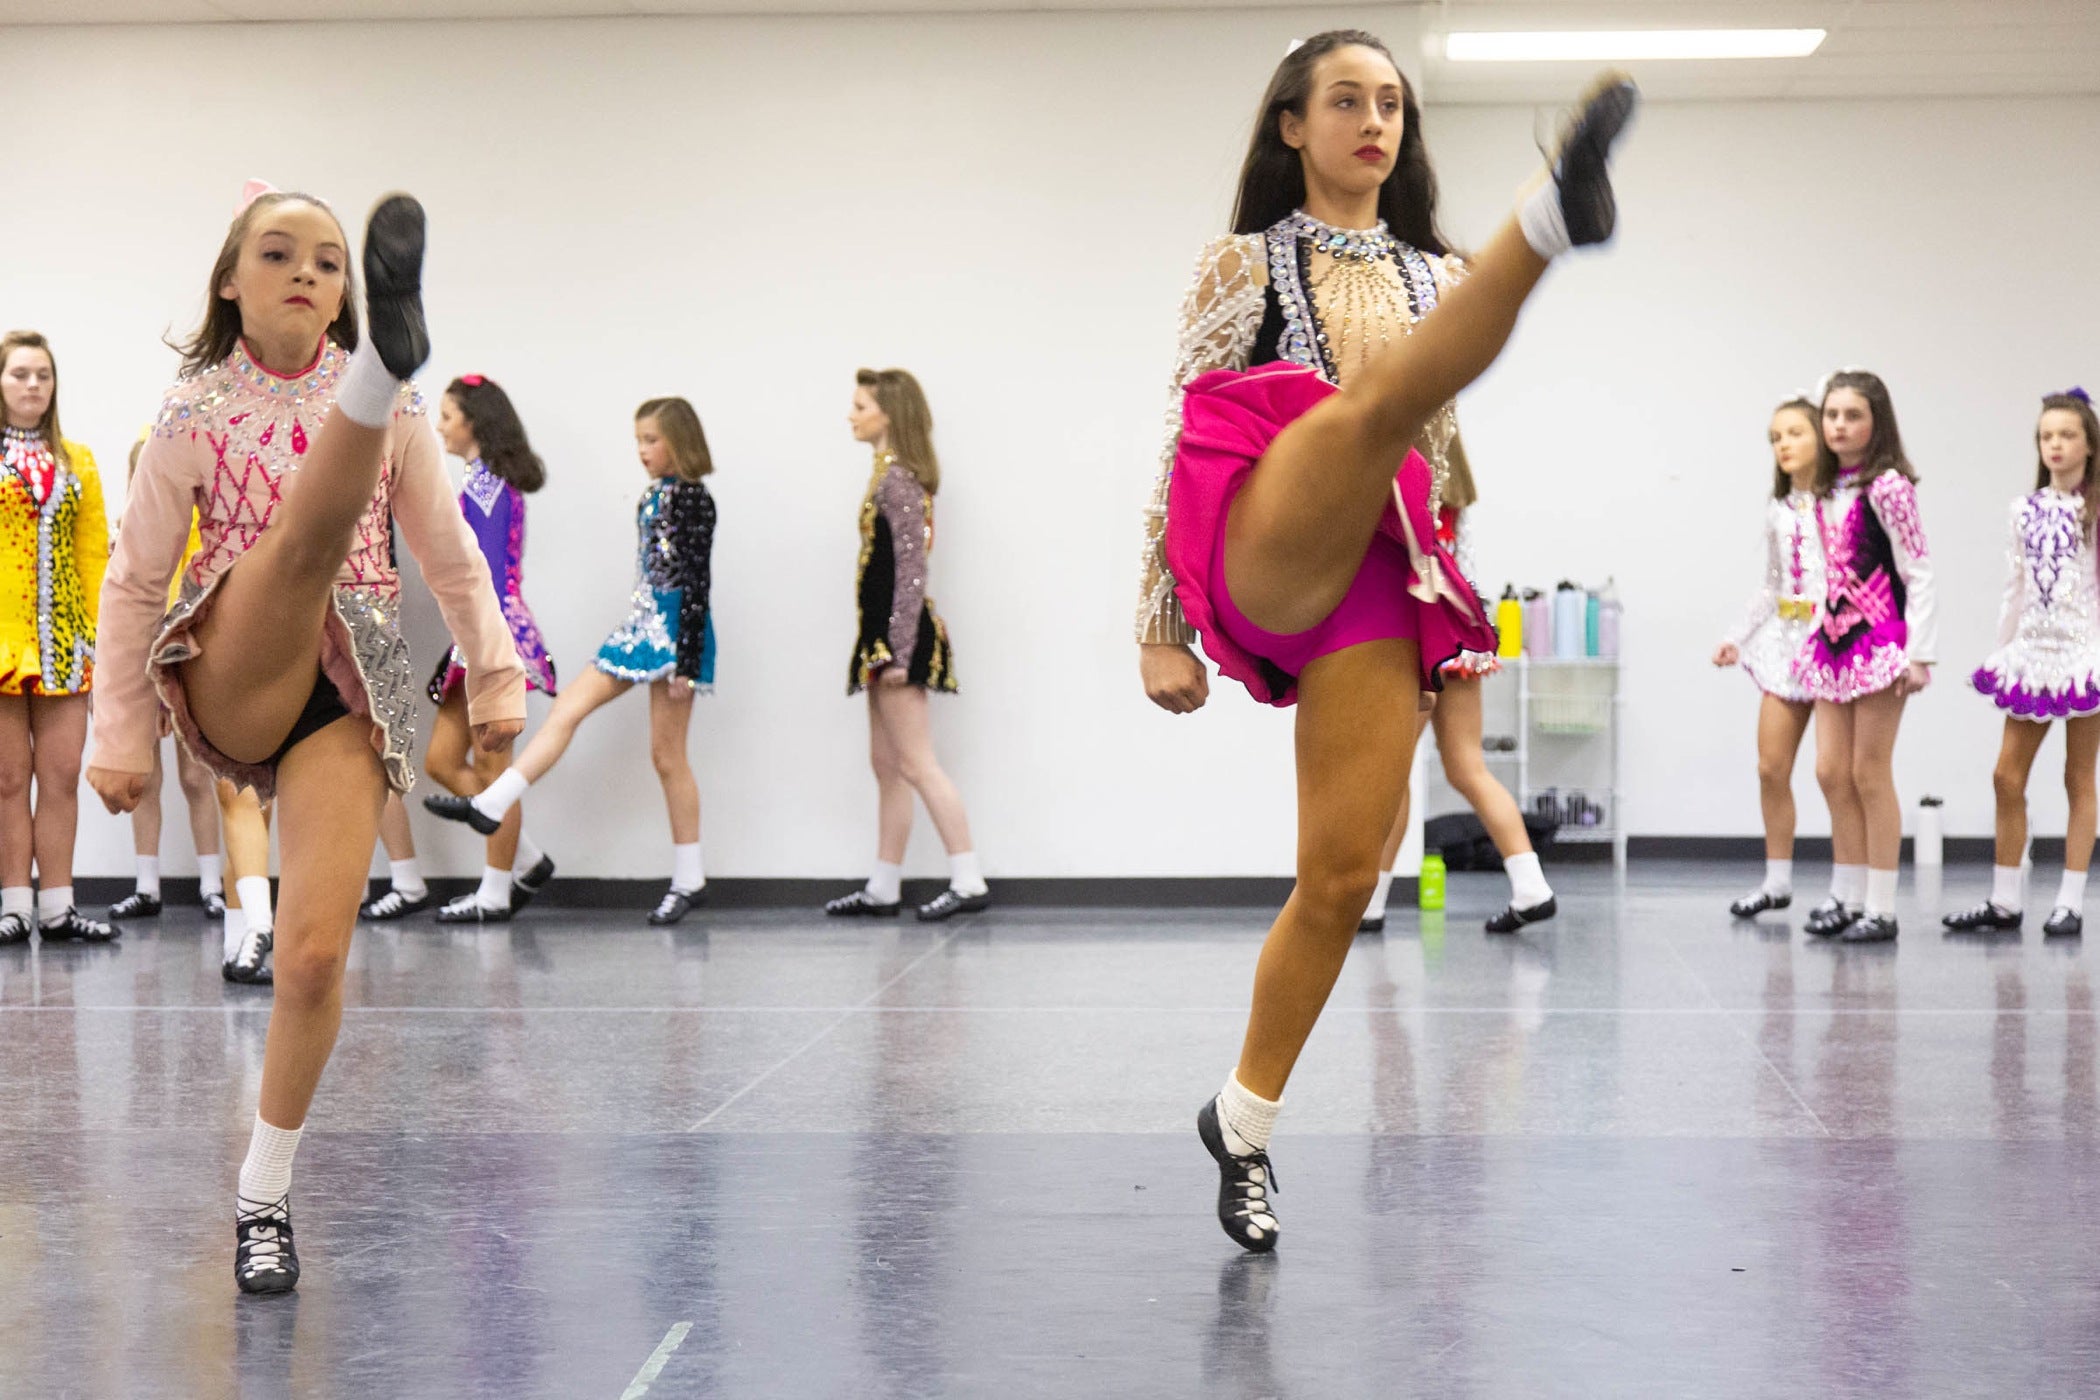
x: 1432, y: 881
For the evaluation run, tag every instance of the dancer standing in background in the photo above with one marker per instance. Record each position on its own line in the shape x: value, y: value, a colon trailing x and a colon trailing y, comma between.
x: 477, y: 423
x: 902, y: 654
x: 2047, y: 664
x: 54, y: 545
x: 1293, y: 527
x: 282, y: 664
x: 667, y: 642
x: 1873, y: 647
x: 1456, y: 718
x: 1771, y: 638
x: 144, y: 901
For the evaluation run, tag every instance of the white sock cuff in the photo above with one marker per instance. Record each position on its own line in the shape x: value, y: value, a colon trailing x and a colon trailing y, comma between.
x: 254, y: 891
x: 500, y: 796
x: 2071, y: 893
x: 149, y: 875
x: 17, y: 899
x: 1527, y: 880
x: 367, y: 391
x: 495, y: 888
x: 886, y: 885
x: 529, y: 853
x: 687, y: 874
x: 1848, y: 884
x: 266, y: 1174
x: 1545, y: 226
x: 965, y: 873
x: 52, y: 903
x: 1881, y: 893
x: 2005, y: 888
x: 1779, y: 876
x: 211, y: 877
x: 1247, y: 1115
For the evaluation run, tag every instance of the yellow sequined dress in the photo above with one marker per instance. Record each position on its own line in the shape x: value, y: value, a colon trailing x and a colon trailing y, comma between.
x: 54, y: 546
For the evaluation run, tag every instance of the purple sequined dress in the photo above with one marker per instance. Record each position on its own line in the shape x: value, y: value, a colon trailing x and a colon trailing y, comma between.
x: 2047, y: 663
x: 495, y: 512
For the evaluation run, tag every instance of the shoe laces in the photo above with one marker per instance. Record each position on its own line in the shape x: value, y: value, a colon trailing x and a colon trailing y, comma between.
x: 668, y: 905
x: 266, y: 1237
x: 255, y: 946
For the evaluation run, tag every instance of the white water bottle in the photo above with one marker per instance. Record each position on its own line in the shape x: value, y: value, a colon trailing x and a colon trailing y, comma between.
x: 1928, y: 847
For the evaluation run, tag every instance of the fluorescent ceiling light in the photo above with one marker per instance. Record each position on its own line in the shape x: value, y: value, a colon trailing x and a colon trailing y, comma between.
x: 1607, y: 45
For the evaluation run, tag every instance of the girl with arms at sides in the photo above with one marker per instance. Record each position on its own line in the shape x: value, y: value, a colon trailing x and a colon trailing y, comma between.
x: 1293, y: 525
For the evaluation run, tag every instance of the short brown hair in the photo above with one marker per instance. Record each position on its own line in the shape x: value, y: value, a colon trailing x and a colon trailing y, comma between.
x: 903, y: 402
x: 680, y: 425
x: 47, y: 427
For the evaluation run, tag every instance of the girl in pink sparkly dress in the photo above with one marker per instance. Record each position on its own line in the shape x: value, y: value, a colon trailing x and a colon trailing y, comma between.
x: 1872, y: 648
x: 2046, y: 665
x: 1772, y: 635
x: 1293, y: 527
x: 282, y: 663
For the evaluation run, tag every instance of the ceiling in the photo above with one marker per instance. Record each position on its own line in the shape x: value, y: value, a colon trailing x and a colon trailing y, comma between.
x: 1876, y: 48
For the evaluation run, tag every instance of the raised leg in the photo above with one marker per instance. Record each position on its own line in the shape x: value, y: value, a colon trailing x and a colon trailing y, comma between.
x: 578, y: 698
x: 1355, y: 741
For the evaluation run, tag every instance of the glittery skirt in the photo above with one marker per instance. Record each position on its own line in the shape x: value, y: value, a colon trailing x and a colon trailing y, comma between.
x: 644, y: 647
x: 1770, y: 656
x: 1229, y: 418
x: 2042, y: 678
x: 525, y: 635
x: 363, y: 654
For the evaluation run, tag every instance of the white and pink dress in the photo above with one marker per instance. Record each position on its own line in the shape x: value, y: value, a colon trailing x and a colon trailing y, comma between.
x: 1879, y: 612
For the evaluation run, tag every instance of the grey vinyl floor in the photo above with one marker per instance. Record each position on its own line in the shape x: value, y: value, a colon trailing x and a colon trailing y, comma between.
x: 1639, y: 1151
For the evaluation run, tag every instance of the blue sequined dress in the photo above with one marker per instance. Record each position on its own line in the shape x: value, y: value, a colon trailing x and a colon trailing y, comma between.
x: 669, y: 630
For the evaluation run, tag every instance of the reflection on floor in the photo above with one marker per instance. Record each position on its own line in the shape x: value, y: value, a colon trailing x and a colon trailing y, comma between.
x: 1638, y: 1151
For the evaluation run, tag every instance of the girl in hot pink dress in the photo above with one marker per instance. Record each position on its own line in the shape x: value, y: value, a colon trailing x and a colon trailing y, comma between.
x: 1293, y: 528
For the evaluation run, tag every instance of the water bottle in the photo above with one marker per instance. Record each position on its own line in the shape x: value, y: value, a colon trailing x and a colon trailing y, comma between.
x: 1432, y: 881
x: 1567, y: 622
x: 1509, y: 624
x: 1592, y: 620
x: 1928, y: 846
x: 1609, y: 612
x: 1538, y: 623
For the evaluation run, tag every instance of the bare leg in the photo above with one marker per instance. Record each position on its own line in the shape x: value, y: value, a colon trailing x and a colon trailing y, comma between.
x: 331, y: 790
x: 1848, y: 820
x: 394, y: 831
x: 17, y: 762
x: 2081, y: 749
x: 1780, y: 729
x: 2016, y: 753
x: 259, y: 641
x: 1297, y: 532
x: 893, y: 796
x: 58, y: 726
x: 146, y: 817
x: 503, y: 846
x: 1355, y: 739
x: 200, y: 793
x: 577, y: 699
x: 1875, y: 718
x: 902, y: 710
x: 247, y: 827
x: 1458, y: 738
x: 670, y: 717
x: 456, y: 764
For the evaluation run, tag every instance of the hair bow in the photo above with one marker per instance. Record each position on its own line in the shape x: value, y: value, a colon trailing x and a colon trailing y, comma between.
x: 2075, y: 392
x: 250, y: 192
x: 472, y: 381
x: 1292, y: 47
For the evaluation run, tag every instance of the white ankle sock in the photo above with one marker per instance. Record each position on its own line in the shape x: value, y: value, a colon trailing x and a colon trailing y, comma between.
x: 499, y: 797
x: 52, y: 904
x: 407, y: 876
x: 1246, y: 1117
x: 367, y: 390
x: 1380, y: 896
x: 529, y: 855
x: 686, y: 874
x: 149, y: 875
x: 266, y: 1175
x: 886, y: 885
x: 1545, y: 227
x: 255, y: 901
x: 2071, y: 893
x: 2005, y: 888
x: 1527, y: 882
x: 231, y: 934
x: 964, y: 873
x: 1881, y: 893
x: 1779, y: 877
x: 1848, y: 885
x: 211, y: 878
x: 495, y: 888
x: 17, y: 899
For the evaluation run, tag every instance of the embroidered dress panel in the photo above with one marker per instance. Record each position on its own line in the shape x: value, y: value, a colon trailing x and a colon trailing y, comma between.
x: 2046, y: 664
x: 1879, y: 612
x: 495, y: 512
x: 225, y: 447
x: 54, y: 547
x: 1776, y: 629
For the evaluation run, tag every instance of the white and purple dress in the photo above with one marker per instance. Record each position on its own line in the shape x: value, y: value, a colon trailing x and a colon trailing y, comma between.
x: 1878, y: 614
x: 2047, y: 663
x: 495, y: 512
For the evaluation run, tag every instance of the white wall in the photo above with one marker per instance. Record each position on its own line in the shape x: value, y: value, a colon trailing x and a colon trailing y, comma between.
x: 745, y: 210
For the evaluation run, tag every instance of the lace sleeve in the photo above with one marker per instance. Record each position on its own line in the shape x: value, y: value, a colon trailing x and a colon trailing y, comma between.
x: 1219, y: 320
x: 1894, y: 498
x: 1765, y: 601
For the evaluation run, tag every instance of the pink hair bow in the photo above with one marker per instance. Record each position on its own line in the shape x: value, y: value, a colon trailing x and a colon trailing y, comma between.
x: 250, y: 192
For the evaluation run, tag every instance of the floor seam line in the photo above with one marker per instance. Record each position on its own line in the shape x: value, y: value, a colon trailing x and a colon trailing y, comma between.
x: 1744, y: 1036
